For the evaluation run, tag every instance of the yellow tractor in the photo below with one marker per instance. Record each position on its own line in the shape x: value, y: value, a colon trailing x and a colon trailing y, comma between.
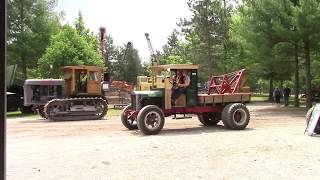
x: 79, y: 95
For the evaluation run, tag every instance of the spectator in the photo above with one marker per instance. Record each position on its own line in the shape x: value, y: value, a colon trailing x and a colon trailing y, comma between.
x: 286, y: 95
x: 277, y: 95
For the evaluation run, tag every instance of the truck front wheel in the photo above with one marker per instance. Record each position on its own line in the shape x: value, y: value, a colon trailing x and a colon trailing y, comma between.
x: 150, y: 120
x: 235, y: 116
x: 129, y: 123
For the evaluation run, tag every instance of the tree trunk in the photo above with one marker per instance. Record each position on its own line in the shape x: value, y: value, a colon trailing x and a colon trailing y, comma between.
x: 24, y: 66
x: 22, y: 46
x: 296, y: 76
x: 308, y: 74
x: 225, y: 33
x: 271, y: 89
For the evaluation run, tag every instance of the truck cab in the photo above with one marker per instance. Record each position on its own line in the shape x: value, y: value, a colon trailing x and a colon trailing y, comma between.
x: 158, y: 91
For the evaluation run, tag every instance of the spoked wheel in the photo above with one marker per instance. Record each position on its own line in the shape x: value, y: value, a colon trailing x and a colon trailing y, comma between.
x: 150, y: 120
x: 308, y: 117
x: 101, y: 108
x: 52, y: 109
x: 235, y: 116
x: 129, y: 123
x: 209, y: 119
x: 42, y: 113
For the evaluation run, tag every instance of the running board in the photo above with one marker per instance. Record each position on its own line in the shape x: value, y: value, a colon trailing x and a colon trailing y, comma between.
x: 184, y: 117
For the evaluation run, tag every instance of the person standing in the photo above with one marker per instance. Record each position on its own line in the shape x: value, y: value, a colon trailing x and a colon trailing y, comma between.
x: 286, y: 95
x: 277, y: 95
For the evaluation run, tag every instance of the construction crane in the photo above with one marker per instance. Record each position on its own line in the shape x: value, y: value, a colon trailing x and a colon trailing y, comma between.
x: 129, y: 45
x: 153, y: 55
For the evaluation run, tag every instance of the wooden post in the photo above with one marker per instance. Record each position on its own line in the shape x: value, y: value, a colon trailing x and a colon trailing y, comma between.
x: 3, y: 90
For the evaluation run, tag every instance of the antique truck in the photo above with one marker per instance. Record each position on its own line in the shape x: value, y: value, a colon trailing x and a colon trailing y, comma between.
x: 79, y: 95
x: 224, y: 101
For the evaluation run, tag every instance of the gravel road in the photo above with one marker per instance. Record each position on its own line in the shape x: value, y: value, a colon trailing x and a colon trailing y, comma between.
x: 272, y: 147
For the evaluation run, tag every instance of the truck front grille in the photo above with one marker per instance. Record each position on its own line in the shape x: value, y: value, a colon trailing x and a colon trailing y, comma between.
x: 133, y: 101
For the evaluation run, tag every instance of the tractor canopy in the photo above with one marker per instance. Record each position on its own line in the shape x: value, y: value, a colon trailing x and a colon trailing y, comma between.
x: 169, y: 67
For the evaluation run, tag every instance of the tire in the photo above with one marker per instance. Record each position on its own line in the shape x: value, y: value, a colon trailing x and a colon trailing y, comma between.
x: 51, y: 108
x: 42, y: 113
x: 209, y: 119
x: 126, y: 122
x: 148, y: 116
x: 308, y: 117
x: 235, y: 116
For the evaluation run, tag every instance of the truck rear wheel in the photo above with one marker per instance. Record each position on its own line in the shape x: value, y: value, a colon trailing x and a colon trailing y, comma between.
x: 308, y: 117
x: 150, y: 120
x: 128, y: 123
x: 209, y: 119
x: 235, y: 116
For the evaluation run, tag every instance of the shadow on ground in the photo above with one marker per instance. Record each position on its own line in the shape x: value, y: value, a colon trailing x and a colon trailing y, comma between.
x: 41, y: 120
x: 191, y: 131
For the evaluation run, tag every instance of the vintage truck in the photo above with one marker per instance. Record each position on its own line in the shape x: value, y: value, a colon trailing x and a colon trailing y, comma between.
x: 224, y: 101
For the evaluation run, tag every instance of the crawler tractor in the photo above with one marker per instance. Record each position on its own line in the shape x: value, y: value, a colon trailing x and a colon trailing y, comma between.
x: 79, y: 95
x: 225, y: 100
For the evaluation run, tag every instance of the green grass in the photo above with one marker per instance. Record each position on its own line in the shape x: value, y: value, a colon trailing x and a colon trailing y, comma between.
x: 114, y: 112
x: 259, y: 98
x: 18, y: 114
x: 265, y: 97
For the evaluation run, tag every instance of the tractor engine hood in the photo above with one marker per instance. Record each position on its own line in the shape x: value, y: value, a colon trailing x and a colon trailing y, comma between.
x: 152, y: 93
x: 139, y: 99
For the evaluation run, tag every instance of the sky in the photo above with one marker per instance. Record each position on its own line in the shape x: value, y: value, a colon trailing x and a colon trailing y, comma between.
x: 129, y: 20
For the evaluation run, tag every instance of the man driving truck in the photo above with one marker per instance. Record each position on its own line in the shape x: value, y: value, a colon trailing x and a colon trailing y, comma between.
x: 182, y: 81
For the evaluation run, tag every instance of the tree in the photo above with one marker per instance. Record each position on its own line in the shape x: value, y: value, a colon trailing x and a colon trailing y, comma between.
x: 172, y: 46
x: 308, y: 24
x: 30, y: 26
x: 110, y: 53
x: 207, y: 36
x: 127, y: 65
x: 85, y: 32
x: 68, y: 48
x: 264, y: 27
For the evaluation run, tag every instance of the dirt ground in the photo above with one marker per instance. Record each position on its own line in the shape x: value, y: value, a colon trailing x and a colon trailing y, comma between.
x: 272, y: 147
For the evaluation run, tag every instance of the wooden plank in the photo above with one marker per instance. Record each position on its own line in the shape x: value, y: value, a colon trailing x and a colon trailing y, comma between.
x: 223, y: 98
x: 167, y: 93
x: 174, y: 66
x: 181, y: 101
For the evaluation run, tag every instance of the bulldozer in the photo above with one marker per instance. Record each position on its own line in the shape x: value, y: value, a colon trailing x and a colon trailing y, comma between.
x: 79, y: 95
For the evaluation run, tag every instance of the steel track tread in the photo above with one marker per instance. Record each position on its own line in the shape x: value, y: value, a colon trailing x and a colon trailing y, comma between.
x: 75, y: 117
